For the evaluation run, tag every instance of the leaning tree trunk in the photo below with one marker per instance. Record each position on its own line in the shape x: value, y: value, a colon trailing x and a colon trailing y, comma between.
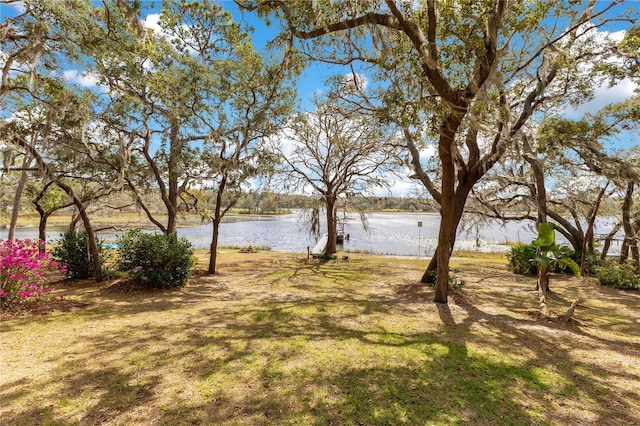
x: 607, y: 241
x: 93, y: 245
x: 217, y: 219
x: 588, y: 237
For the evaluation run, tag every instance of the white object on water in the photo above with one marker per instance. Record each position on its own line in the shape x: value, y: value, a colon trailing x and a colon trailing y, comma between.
x: 321, y: 245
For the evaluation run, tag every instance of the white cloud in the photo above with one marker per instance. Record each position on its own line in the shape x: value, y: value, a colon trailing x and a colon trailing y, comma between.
x: 152, y: 21
x: 84, y: 79
x: 401, y: 187
x: 428, y: 152
x: 603, y: 96
x: 617, y: 35
x: 354, y: 82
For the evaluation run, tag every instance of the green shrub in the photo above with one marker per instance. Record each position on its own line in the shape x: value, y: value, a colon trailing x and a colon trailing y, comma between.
x: 619, y: 275
x: 454, y: 282
x: 522, y: 259
x: 592, y: 261
x: 72, y: 251
x: 327, y: 256
x: 157, y: 260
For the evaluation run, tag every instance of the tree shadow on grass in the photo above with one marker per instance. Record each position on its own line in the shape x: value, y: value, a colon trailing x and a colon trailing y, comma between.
x: 224, y: 353
x: 564, y: 379
x: 112, y: 392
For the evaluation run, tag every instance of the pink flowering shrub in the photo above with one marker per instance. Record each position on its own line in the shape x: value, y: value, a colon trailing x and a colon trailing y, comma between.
x: 23, y: 270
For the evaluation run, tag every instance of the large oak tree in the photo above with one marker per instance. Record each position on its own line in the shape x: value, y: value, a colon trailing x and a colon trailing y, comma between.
x: 466, y: 76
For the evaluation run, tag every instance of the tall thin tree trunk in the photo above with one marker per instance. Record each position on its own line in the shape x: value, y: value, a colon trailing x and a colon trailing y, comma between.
x: 543, y: 285
x: 538, y: 175
x: 175, y: 154
x: 26, y: 163
x: 217, y: 219
x: 537, y: 168
x: 213, y: 248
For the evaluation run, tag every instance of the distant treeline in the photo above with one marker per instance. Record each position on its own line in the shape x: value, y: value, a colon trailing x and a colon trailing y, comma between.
x: 274, y: 203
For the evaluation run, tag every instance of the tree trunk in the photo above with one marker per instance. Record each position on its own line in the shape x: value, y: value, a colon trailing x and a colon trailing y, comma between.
x: 331, y: 224
x: 26, y: 163
x: 538, y: 176
x: 543, y: 284
x: 213, y: 255
x: 217, y: 219
x: 429, y: 275
x: 175, y: 157
x: 445, y: 238
x: 541, y: 203
x: 607, y: 241
x: 588, y: 237
x: 42, y: 230
x: 461, y: 194
x: 93, y: 245
x: 44, y: 216
x: 572, y: 308
x: 448, y: 225
x: 630, y: 243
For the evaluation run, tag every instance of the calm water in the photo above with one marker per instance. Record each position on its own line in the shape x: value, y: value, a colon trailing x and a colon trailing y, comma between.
x: 389, y: 233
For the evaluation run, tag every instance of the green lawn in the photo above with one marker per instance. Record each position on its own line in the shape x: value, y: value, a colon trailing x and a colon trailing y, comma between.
x: 279, y: 339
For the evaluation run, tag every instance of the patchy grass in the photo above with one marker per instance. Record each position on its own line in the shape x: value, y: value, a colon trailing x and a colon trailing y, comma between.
x: 279, y: 339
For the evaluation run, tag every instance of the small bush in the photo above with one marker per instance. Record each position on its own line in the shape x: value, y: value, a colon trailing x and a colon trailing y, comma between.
x: 592, y: 261
x: 73, y: 252
x: 619, y: 275
x: 454, y: 282
x: 157, y: 260
x: 327, y: 256
x: 522, y: 259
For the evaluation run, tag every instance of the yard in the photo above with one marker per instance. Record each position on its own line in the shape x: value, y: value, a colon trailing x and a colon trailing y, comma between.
x: 279, y: 339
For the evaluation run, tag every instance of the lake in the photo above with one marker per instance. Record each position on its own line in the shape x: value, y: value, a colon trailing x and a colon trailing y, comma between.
x: 389, y: 233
